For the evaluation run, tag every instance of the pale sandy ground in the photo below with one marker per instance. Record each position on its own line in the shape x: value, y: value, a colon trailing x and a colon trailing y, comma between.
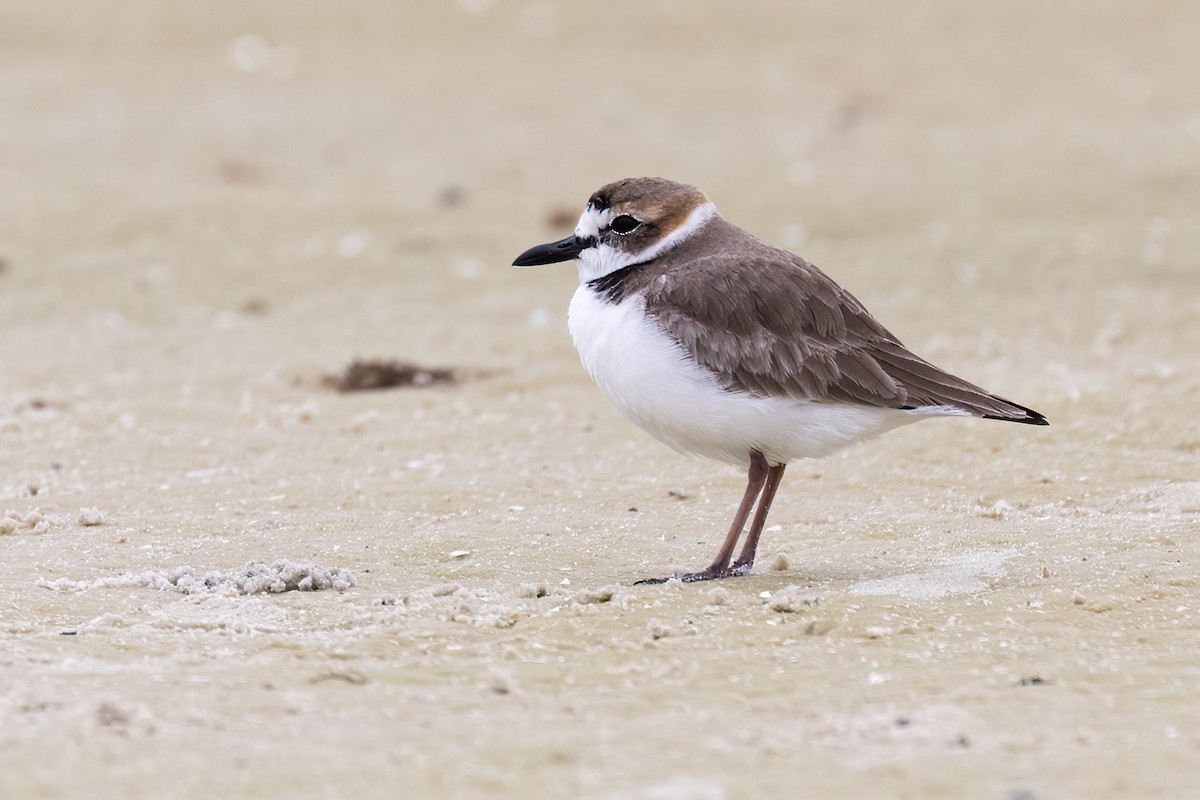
x: 205, y: 207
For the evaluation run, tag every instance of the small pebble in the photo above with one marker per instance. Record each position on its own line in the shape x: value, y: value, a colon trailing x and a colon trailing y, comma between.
x: 790, y: 600
x: 657, y: 630
x: 503, y: 683
x: 999, y: 510
x: 589, y: 597
x: 718, y: 596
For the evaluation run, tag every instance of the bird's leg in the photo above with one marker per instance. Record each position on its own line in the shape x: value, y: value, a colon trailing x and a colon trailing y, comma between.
x: 757, y: 476
x: 719, y: 568
x: 746, y: 559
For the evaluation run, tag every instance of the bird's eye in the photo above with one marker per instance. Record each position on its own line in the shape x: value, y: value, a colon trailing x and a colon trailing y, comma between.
x: 624, y: 224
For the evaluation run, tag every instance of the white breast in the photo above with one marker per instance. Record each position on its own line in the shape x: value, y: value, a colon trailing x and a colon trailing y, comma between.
x: 654, y: 381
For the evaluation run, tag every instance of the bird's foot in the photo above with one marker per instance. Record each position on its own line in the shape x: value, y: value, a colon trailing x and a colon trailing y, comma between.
x: 710, y: 574
x: 653, y: 581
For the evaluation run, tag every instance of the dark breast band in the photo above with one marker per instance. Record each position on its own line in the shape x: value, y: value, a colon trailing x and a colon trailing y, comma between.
x: 615, y: 286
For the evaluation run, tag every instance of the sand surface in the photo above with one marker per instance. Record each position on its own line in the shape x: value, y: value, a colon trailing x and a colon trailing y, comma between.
x: 206, y: 208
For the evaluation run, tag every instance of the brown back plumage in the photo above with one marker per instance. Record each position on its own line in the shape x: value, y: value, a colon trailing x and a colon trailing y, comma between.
x: 804, y: 336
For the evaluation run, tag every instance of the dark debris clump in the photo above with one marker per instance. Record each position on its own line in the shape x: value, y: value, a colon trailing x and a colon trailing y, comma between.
x: 365, y: 375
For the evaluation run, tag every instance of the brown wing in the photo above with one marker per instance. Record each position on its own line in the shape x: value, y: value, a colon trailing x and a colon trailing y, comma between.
x: 803, y: 337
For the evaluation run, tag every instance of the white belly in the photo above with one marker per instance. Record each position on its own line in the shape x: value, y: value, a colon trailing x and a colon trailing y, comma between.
x: 653, y: 380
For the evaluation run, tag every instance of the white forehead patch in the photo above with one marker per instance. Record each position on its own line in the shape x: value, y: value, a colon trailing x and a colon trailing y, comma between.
x: 602, y: 259
x: 592, y: 221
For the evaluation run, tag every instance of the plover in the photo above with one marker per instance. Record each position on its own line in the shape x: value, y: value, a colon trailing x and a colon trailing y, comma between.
x: 720, y: 345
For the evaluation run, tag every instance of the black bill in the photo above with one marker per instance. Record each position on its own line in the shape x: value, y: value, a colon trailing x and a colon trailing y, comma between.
x: 562, y: 250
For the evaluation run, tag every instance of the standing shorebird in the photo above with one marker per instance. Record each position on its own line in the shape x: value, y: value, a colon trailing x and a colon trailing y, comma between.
x: 720, y: 345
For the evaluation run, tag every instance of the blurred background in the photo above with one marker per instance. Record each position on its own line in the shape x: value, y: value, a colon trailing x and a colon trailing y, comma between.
x: 206, y: 209
x: 217, y: 152
x: 225, y: 196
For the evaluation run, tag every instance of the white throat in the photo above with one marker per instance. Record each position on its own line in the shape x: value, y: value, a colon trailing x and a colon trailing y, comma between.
x: 598, y: 261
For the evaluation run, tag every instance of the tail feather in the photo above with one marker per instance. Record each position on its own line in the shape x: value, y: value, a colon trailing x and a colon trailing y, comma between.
x: 1021, y: 414
x: 933, y: 388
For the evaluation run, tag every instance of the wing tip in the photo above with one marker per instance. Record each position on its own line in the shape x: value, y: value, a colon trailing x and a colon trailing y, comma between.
x: 1027, y: 416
